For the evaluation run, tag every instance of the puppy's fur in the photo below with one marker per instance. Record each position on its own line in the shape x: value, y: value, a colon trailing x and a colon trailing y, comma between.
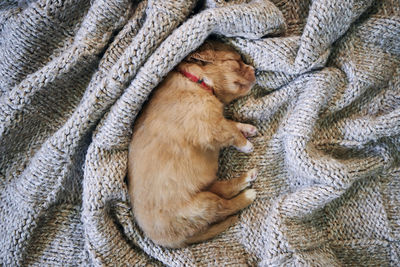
x: 173, y: 156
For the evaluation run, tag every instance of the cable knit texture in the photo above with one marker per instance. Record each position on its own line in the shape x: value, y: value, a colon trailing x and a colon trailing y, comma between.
x: 74, y: 75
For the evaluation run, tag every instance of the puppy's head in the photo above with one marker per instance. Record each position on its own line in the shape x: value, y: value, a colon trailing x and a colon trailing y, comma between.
x: 223, y: 69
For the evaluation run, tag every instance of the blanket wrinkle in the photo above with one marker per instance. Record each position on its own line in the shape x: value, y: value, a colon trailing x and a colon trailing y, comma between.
x: 75, y: 74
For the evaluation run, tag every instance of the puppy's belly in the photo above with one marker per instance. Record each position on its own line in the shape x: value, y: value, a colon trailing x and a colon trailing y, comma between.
x: 160, y: 191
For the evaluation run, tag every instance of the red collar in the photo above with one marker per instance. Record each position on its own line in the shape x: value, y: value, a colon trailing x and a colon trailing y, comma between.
x: 197, y: 80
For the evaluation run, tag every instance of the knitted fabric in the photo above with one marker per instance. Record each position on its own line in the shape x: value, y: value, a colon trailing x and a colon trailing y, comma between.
x: 74, y: 75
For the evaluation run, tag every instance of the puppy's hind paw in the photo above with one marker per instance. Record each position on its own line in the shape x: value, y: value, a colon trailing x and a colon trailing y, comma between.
x: 251, y: 175
x: 250, y: 194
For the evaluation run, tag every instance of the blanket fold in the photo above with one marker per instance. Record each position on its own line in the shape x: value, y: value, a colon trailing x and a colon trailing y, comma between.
x: 75, y: 74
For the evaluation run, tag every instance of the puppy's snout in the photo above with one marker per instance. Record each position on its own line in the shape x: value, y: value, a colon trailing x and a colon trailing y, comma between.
x: 250, y: 74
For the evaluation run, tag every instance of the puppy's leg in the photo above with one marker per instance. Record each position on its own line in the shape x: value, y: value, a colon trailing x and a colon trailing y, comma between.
x: 230, y: 188
x: 230, y: 134
x: 207, y: 208
x: 247, y: 130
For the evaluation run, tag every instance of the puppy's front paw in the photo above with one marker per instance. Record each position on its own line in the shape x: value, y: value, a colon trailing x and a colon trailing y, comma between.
x: 247, y: 148
x: 247, y: 130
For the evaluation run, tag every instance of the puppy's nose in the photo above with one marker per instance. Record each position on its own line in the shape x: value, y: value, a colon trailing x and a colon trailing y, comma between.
x: 250, y: 74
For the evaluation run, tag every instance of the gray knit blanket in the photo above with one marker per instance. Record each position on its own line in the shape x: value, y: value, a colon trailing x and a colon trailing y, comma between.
x: 74, y: 75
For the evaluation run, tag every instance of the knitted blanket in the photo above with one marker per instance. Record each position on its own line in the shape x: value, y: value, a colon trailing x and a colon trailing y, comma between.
x: 74, y: 75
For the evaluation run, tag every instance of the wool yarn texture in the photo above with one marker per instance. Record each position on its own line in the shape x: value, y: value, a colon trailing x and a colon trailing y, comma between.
x: 75, y: 74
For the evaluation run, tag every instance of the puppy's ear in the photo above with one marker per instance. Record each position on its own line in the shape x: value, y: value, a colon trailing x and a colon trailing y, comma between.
x: 205, y: 54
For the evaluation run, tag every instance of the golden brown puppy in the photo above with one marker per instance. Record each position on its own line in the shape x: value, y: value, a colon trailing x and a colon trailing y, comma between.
x: 173, y: 156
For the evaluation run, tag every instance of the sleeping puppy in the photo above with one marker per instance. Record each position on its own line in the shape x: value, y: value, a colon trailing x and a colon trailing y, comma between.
x: 173, y: 155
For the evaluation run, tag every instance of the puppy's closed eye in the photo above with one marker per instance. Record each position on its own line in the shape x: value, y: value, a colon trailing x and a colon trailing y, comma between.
x: 234, y: 64
x: 240, y: 85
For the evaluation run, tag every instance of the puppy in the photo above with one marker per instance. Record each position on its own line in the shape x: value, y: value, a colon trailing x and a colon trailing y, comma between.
x: 173, y: 155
